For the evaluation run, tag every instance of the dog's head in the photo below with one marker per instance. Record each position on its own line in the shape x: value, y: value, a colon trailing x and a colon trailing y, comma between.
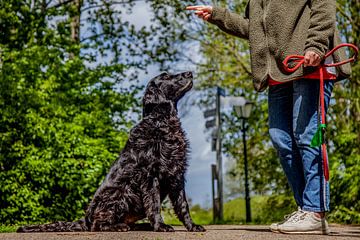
x: 166, y: 90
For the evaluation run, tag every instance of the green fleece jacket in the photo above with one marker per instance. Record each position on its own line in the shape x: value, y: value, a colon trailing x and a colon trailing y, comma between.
x: 278, y: 28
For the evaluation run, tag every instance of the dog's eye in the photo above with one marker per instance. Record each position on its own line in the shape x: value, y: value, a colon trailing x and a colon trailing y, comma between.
x: 166, y: 77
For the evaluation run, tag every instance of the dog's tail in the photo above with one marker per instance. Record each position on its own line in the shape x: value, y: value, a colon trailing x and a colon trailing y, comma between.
x: 78, y: 226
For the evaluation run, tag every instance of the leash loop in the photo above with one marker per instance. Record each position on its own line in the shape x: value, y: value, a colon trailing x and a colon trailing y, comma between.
x: 299, y: 60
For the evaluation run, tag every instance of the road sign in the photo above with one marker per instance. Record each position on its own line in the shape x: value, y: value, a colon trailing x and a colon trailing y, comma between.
x: 221, y: 91
x: 210, y: 113
x: 213, y: 144
x: 210, y: 123
x: 214, y: 133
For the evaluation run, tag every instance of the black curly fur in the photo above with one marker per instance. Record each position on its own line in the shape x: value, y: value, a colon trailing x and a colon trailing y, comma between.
x: 151, y: 167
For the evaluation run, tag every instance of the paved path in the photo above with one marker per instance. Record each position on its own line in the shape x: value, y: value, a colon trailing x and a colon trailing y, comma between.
x: 214, y: 232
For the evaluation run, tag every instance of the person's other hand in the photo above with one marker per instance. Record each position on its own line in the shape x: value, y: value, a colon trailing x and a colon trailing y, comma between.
x: 203, y: 12
x: 312, y: 59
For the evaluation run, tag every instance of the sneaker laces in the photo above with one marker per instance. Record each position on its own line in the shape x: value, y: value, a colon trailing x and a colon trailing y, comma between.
x: 301, y: 215
x: 288, y: 216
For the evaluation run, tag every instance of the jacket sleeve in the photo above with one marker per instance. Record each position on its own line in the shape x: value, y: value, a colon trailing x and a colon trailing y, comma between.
x: 231, y: 23
x: 322, y: 26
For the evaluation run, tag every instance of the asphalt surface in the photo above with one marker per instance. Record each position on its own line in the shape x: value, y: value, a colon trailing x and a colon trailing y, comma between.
x: 221, y: 232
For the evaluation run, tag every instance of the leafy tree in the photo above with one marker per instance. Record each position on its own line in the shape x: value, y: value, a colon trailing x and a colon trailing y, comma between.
x: 345, y: 124
x: 68, y: 96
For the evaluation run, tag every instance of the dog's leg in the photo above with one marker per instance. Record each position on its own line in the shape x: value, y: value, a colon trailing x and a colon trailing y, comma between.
x: 152, y: 205
x: 106, y: 227
x: 181, y: 208
x: 141, y: 227
x: 105, y: 222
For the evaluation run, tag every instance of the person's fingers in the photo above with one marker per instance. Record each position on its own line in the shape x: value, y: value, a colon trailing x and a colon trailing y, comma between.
x: 316, y: 60
x: 311, y: 59
x: 306, y: 59
x: 207, y: 16
x: 203, y: 12
x: 200, y: 14
x: 194, y: 7
x: 200, y: 8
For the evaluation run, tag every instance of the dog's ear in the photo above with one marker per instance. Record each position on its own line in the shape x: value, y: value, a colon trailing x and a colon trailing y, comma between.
x: 153, y: 97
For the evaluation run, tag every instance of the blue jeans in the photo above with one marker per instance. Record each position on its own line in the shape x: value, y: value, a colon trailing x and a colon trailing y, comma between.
x: 293, y: 121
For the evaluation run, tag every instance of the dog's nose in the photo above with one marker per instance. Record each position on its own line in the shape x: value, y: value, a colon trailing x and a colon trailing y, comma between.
x: 188, y: 74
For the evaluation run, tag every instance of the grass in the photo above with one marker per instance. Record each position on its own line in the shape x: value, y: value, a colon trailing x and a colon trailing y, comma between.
x: 264, y: 210
x: 6, y: 229
x: 234, y: 212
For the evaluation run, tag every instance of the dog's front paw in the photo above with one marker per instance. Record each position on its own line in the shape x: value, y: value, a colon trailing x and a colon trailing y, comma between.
x: 163, y: 228
x: 196, y: 228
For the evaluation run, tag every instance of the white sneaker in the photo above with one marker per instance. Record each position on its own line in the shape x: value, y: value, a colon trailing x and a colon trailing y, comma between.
x: 305, y: 222
x: 274, y: 227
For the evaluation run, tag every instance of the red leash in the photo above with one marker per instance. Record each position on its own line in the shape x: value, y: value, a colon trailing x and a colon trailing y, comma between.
x: 300, y: 61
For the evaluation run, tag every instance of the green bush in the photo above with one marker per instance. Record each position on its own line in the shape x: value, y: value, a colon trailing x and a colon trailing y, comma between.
x: 59, y: 134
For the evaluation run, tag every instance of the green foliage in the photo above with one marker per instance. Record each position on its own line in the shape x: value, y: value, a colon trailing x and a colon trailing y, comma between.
x: 7, y: 229
x: 68, y: 96
x: 262, y: 211
x: 344, y: 128
x: 198, y: 215
x: 58, y: 136
x: 275, y: 207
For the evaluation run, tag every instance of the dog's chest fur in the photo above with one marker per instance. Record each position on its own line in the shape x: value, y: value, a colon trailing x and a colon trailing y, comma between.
x: 166, y: 140
x: 156, y: 147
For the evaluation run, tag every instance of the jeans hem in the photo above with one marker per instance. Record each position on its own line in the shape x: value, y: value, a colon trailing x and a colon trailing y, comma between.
x: 309, y: 209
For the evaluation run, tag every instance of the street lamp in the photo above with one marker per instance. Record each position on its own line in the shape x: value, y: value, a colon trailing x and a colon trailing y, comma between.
x: 243, y: 112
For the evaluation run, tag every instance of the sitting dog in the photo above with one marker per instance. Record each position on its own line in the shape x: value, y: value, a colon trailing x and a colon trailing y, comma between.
x: 151, y: 167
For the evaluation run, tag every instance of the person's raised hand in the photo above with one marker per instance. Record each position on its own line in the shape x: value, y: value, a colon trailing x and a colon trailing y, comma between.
x: 203, y: 12
x: 312, y: 59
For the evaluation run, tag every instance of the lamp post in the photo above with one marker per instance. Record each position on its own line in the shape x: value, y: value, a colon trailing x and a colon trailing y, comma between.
x: 244, y: 111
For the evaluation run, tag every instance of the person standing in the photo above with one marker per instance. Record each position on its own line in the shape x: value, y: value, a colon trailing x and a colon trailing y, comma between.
x: 276, y: 29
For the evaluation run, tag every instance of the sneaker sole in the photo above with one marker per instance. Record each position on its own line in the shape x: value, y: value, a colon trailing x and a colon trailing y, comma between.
x: 274, y: 230
x: 305, y: 232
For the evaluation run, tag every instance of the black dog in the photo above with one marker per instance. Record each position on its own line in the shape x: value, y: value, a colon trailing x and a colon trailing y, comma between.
x: 150, y: 167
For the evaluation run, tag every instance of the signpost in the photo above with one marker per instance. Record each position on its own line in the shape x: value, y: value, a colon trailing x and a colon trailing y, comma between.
x: 216, y: 169
x: 217, y: 181
x: 210, y: 123
x: 210, y: 113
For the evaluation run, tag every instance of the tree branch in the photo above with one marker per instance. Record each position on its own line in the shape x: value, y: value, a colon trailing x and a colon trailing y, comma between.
x: 61, y: 4
x: 343, y: 13
x: 110, y: 3
x: 93, y: 36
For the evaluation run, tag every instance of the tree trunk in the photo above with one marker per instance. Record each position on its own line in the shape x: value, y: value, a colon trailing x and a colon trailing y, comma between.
x: 75, y: 15
x: 75, y: 21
